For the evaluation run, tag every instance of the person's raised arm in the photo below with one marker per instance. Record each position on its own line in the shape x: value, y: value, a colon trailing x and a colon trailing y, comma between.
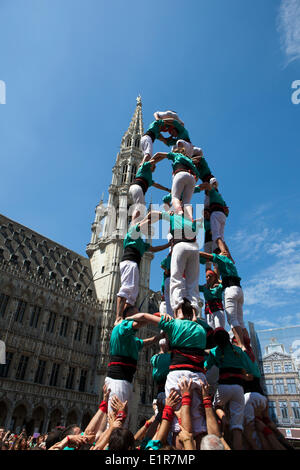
x: 153, y: 339
x: 185, y: 388
x: 156, y: 249
x: 145, y: 318
x: 172, y: 403
x: 93, y: 428
x: 163, y: 188
x: 159, y: 156
x: 206, y: 255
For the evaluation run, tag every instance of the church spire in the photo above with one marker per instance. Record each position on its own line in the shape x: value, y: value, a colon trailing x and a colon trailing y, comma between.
x: 132, y: 136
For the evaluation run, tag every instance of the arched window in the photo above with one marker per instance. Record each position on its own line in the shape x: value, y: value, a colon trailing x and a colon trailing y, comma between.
x: 124, y: 173
x: 137, y: 142
x: 128, y: 142
x: 133, y: 173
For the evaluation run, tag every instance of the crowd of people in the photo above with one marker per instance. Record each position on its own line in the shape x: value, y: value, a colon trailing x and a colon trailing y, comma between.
x: 207, y: 380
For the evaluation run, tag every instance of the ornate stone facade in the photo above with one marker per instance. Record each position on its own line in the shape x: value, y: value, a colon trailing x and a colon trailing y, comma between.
x: 57, y: 310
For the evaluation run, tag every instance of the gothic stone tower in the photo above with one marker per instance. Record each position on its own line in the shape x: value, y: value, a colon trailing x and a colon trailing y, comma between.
x: 108, y: 231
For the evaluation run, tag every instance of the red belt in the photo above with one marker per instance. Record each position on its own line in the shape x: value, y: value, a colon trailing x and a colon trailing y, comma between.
x: 121, y: 364
x: 227, y: 375
x: 187, y: 366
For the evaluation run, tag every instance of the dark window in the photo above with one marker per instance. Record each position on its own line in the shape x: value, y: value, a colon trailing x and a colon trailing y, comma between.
x: 22, y: 368
x: 51, y: 322
x: 54, y: 375
x: 82, y: 382
x: 3, y: 304
x: 124, y: 173
x: 39, y: 375
x: 70, y: 378
x: 35, y: 315
x: 64, y: 326
x: 102, y: 269
x: 4, y: 368
x: 78, y: 331
x: 90, y: 334
x: 19, y: 314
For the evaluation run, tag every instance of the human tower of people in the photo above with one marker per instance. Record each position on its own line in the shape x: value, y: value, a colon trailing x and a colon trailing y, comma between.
x: 191, y: 349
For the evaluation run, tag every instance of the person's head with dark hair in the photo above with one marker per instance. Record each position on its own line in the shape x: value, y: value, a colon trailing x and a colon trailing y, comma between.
x: 53, y: 437
x: 221, y: 337
x: 187, y: 310
x: 121, y: 439
x: 129, y: 310
x: 71, y: 430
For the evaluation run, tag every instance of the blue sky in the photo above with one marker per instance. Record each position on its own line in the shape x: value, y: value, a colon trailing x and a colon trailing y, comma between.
x: 73, y: 70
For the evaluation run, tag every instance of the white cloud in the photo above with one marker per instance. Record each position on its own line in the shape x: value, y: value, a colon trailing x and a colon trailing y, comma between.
x: 289, y: 29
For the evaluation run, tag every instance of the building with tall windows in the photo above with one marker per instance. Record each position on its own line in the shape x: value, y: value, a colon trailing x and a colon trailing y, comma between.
x: 57, y: 310
x: 278, y: 353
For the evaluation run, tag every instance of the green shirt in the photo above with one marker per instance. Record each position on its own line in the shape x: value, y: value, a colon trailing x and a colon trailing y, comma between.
x: 182, y: 134
x: 203, y: 168
x: 160, y: 364
x: 226, y: 266
x: 166, y: 262
x: 184, y: 333
x: 211, y: 293
x: 231, y: 356
x: 180, y: 159
x: 215, y: 197
x: 145, y: 172
x: 133, y: 238
x: 155, y: 127
x: 181, y: 227
x: 253, y: 367
x: 168, y: 199
x: 207, y: 227
x: 123, y: 341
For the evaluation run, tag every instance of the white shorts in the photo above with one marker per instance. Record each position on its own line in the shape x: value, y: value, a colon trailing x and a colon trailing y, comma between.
x: 183, y: 186
x: 189, y: 148
x: 254, y: 404
x: 147, y: 145
x: 169, y: 310
x: 233, y: 305
x: 233, y: 395
x: 217, y: 225
x: 216, y: 320
x: 138, y: 199
x: 123, y: 389
x: 197, y: 410
x: 185, y: 259
x: 169, y: 114
x: 130, y: 278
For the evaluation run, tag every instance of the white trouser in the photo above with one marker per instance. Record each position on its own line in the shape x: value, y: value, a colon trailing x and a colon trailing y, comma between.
x: 130, y: 277
x: 162, y: 307
x: 169, y: 114
x: 123, y: 389
x: 233, y: 395
x: 254, y: 404
x: 216, y: 319
x: 233, y: 304
x: 147, y: 145
x: 185, y: 259
x: 183, y: 186
x: 138, y: 199
x: 209, y: 247
x: 169, y: 310
x: 189, y: 148
x: 217, y: 225
x: 197, y: 411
